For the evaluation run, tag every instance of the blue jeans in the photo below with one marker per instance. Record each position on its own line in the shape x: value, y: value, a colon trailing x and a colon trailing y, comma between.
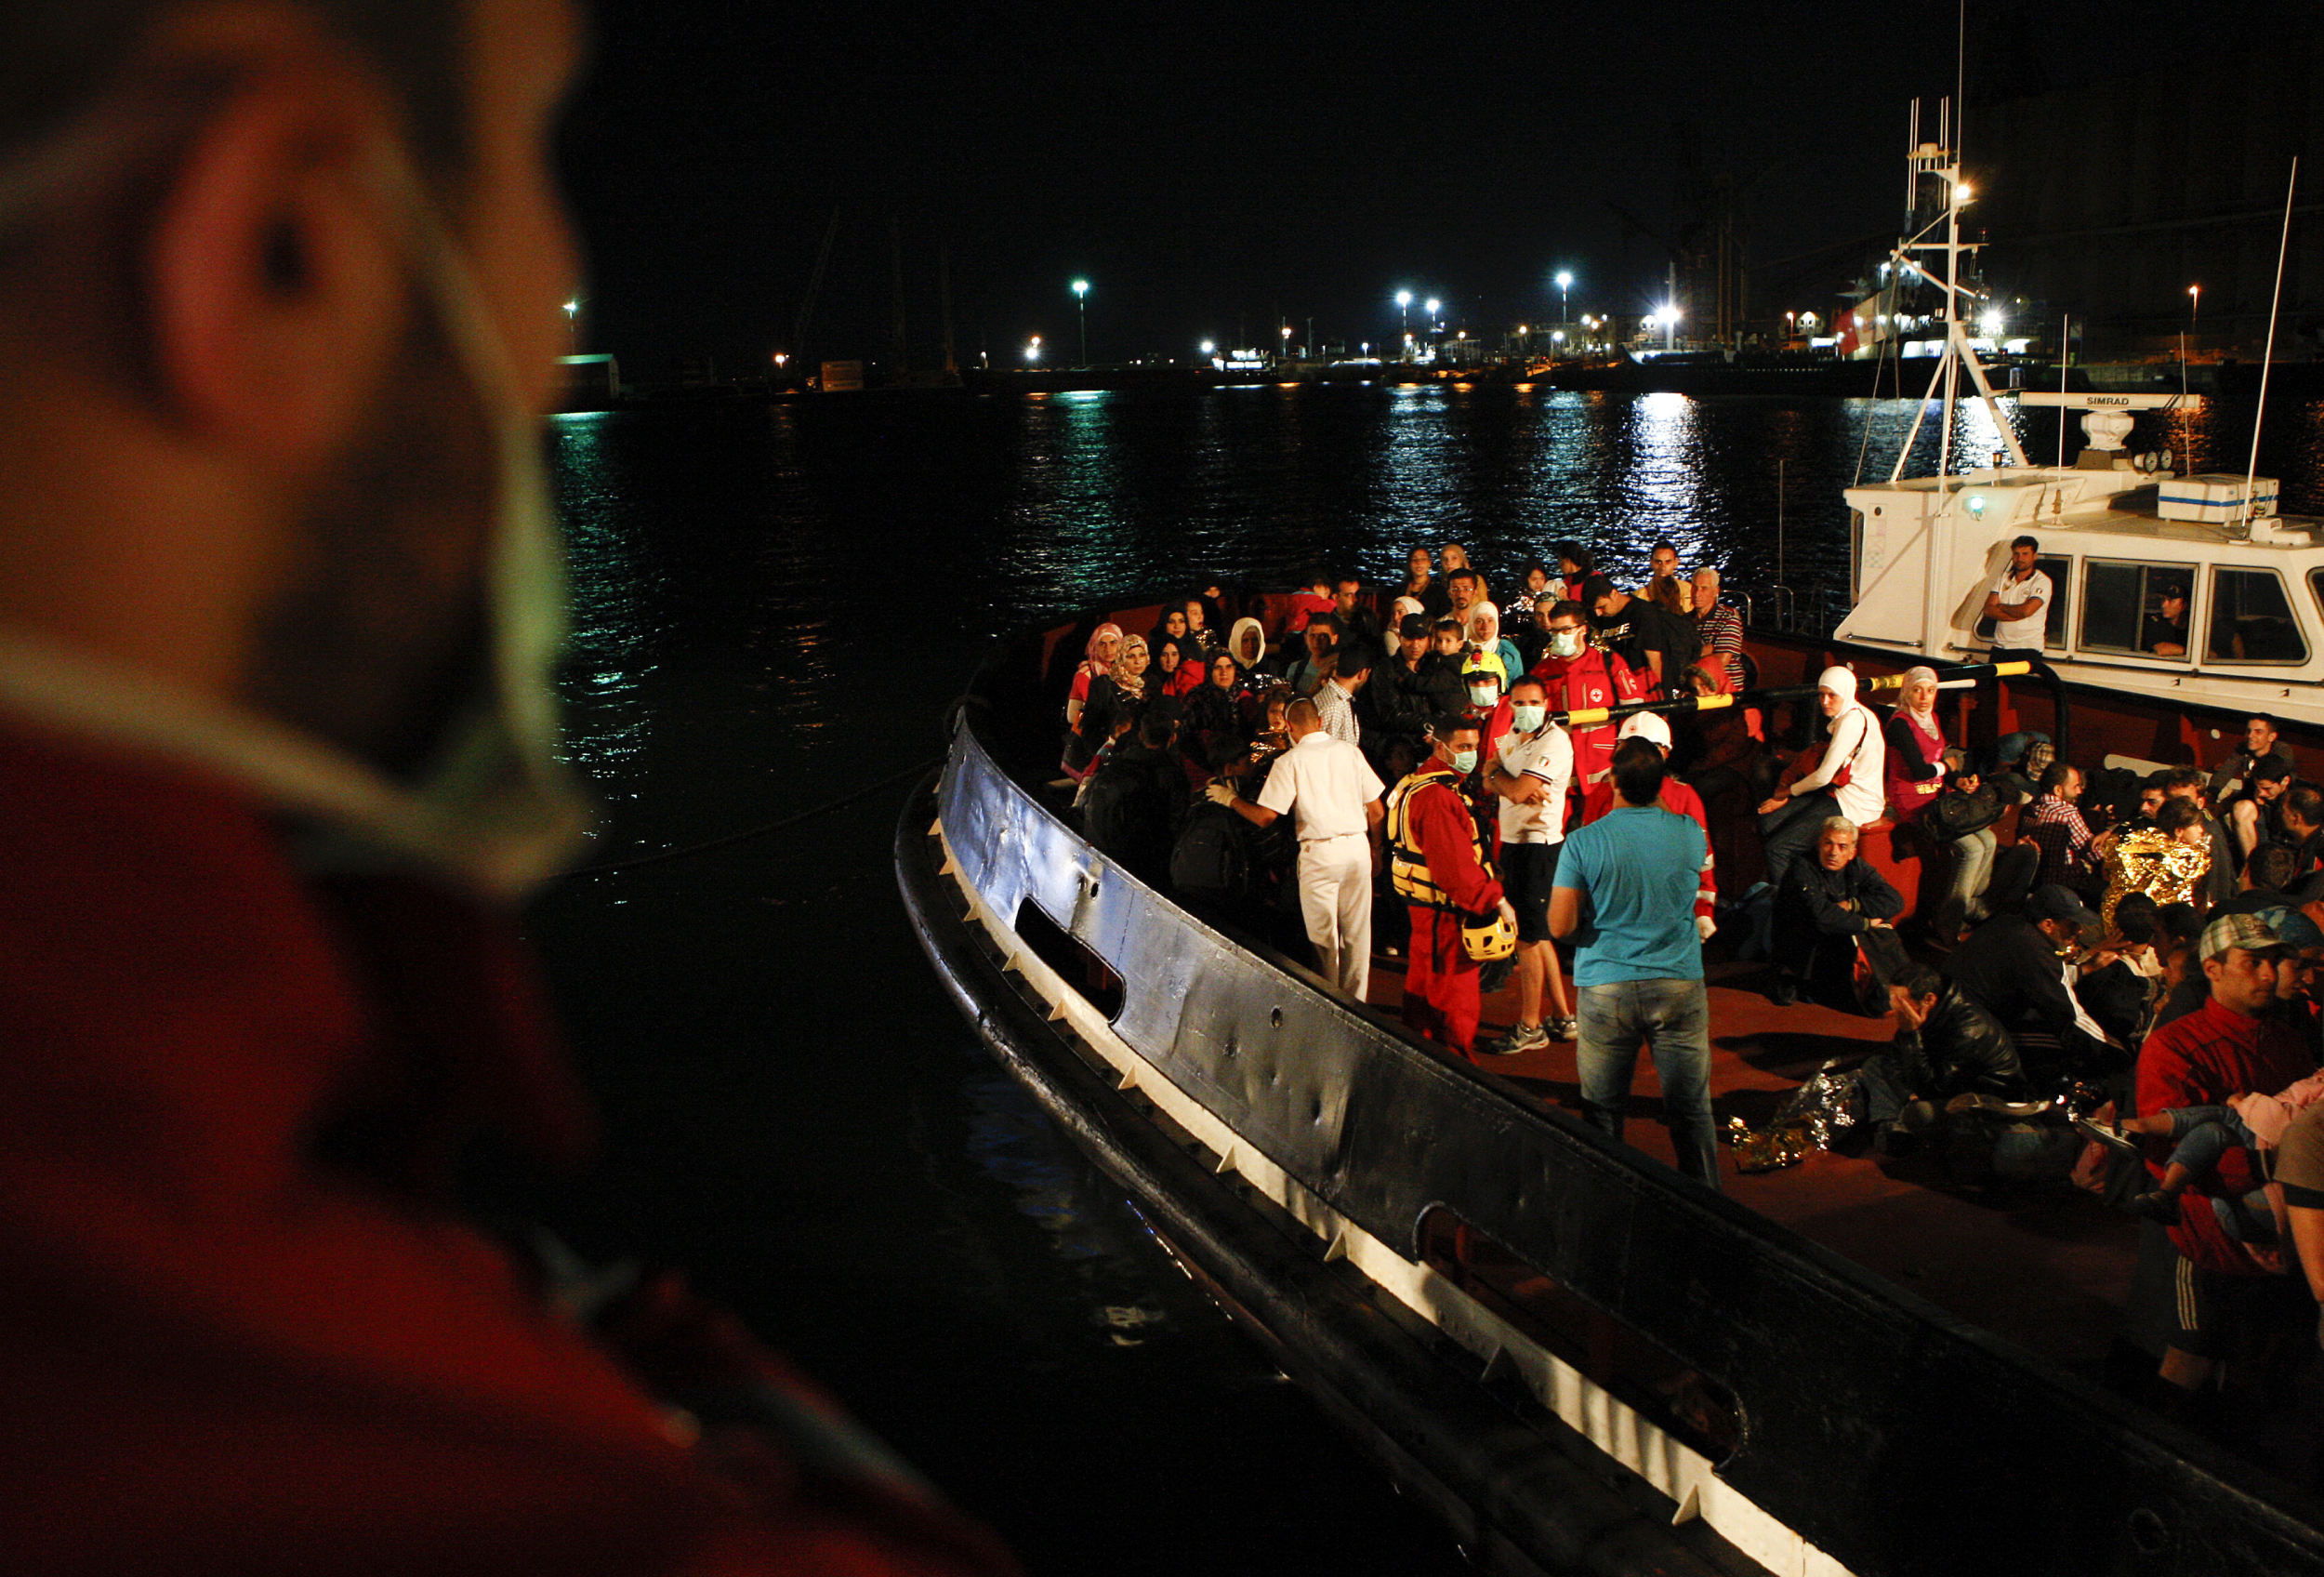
x: 1674, y: 1018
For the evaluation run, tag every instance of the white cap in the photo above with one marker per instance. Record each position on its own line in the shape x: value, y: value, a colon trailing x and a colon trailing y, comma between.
x: 1647, y: 725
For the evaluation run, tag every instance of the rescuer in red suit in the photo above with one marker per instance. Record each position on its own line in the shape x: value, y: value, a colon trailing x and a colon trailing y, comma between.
x: 1579, y: 677
x: 1437, y: 855
x: 280, y: 302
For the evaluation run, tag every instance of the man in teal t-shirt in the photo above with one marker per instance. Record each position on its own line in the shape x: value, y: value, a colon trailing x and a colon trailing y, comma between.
x: 1625, y: 893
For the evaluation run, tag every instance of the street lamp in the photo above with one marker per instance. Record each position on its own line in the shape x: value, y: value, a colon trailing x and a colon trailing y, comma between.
x: 1081, y: 299
x: 1033, y: 348
x: 2193, y: 306
x: 1668, y: 316
x: 1287, y: 343
x: 1209, y: 347
x: 1565, y: 284
x: 572, y: 326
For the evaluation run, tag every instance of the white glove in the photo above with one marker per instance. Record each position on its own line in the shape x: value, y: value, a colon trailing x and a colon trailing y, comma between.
x: 1219, y: 794
x: 1704, y: 926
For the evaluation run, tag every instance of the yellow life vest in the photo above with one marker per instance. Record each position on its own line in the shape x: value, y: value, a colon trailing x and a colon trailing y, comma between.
x: 1408, y: 864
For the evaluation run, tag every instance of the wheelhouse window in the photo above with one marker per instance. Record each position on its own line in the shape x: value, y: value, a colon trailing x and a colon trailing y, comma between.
x: 2250, y: 619
x: 2129, y: 608
x: 2061, y: 574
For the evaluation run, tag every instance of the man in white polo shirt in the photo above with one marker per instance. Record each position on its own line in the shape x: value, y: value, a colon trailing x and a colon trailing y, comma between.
x: 2018, y: 600
x: 1531, y: 777
x: 1334, y: 797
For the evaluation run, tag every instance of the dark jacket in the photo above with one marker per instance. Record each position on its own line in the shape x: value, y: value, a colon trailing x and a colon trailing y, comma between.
x: 1407, y: 700
x: 2009, y: 968
x: 1960, y: 1049
x: 1809, y: 900
x: 1956, y: 815
x: 1133, y: 807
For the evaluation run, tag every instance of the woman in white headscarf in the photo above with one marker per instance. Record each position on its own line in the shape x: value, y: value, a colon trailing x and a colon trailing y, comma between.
x: 1484, y: 636
x: 1849, y: 781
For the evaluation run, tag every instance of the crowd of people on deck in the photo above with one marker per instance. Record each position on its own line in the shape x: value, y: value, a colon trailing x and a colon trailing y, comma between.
x: 2108, y: 975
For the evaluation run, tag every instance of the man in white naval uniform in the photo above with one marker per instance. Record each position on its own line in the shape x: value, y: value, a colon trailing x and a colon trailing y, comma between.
x: 1333, y: 795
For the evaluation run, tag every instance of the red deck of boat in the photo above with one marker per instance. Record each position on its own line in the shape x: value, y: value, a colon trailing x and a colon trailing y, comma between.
x: 2047, y: 1269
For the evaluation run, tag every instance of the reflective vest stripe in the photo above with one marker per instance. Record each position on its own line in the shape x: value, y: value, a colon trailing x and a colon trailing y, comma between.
x: 1407, y: 863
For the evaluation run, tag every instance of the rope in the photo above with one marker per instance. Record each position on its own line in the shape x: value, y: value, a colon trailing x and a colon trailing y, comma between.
x: 749, y: 833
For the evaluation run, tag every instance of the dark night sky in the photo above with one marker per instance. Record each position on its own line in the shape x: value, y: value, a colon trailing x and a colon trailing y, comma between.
x: 1211, y: 166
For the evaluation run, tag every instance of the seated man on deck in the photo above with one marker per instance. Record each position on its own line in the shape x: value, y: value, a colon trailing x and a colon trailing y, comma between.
x: 2254, y: 813
x: 1946, y: 1046
x: 2014, y: 967
x: 1830, y: 908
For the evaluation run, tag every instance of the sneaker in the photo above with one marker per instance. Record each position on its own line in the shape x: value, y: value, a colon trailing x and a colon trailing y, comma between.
x: 1522, y: 1037
x: 1993, y: 1106
x: 2105, y: 1133
x: 1566, y: 1029
x: 2158, y: 1207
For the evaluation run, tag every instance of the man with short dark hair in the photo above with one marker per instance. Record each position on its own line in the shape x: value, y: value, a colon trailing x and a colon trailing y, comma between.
x: 1625, y: 892
x: 1333, y: 795
x: 2018, y: 602
x: 2255, y: 812
x: 1440, y: 865
x: 2054, y: 823
x: 279, y: 604
x: 2219, y: 879
x: 1419, y: 686
x: 1468, y: 590
x: 1945, y: 1045
x: 1531, y: 774
x: 2234, y: 1044
x: 1581, y: 677
x: 1347, y: 606
x: 2014, y: 967
x: 2258, y: 744
x: 1335, y: 698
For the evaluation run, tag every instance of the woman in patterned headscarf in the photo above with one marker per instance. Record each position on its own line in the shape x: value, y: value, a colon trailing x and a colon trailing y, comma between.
x: 1105, y: 645
x: 1120, y: 687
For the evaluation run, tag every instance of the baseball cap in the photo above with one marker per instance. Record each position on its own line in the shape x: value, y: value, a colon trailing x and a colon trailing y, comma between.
x: 2056, y: 902
x: 2292, y: 928
x: 2249, y: 931
x: 1415, y: 627
x: 1645, y: 725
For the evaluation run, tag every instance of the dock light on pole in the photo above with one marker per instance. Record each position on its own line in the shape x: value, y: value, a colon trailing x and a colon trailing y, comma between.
x: 1434, y: 305
x: 1991, y: 324
x: 1668, y: 316
x: 2194, y: 305
x: 1081, y: 299
x: 1565, y: 284
x: 572, y: 326
x: 1209, y: 347
x: 1033, y: 348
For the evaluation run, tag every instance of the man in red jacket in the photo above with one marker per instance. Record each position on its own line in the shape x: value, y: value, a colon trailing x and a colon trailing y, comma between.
x: 1437, y: 860
x: 1579, y: 677
x: 2231, y: 1045
x: 278, y: 602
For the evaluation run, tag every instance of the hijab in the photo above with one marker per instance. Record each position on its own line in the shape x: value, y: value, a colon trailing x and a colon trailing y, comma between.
x: 1132, y: 685
x: 1246, y: 632
x: 1918, y: 675
x: 1089, y: 664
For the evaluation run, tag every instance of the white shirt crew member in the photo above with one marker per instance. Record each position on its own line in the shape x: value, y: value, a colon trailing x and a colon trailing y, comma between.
x: 1325, y: 785
x: 2021, y: 634
x: 1547, y: 756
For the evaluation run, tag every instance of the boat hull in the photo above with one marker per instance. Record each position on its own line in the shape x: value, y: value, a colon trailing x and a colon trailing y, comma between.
x: 1300, y: 1152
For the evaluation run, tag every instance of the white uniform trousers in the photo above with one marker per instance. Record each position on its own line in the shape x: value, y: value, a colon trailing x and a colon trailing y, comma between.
x: 1335, y: 877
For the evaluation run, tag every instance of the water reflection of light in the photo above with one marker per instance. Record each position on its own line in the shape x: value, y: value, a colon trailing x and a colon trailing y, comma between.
x: 1661, y: 490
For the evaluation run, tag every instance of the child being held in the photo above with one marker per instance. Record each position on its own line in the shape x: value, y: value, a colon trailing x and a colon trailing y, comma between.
x: 2201, y: 1135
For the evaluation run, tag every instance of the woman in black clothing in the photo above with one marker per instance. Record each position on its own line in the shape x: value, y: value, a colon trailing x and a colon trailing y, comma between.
x: 1222, y: 709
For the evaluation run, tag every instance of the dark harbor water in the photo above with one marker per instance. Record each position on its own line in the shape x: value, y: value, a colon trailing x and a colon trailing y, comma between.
x: 773, y: 609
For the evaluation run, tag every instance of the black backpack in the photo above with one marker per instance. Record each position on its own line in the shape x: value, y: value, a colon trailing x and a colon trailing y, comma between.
x: 1210, y: 863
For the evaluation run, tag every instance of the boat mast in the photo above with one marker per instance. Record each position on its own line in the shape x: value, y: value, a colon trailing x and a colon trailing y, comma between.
x: 2267, y: 358
x: 1952, y: 286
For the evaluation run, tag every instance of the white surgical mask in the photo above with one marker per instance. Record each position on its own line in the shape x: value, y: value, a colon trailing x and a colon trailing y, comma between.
x: 1464, y: 762
x: 1481, y: 695
x: 1565, y: 642
x: 1528, y: 718
x: 491, y: 806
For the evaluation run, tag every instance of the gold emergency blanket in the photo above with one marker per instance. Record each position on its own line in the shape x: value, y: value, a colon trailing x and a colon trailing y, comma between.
x: 1806, y: 1120
x: 2149, y: 860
